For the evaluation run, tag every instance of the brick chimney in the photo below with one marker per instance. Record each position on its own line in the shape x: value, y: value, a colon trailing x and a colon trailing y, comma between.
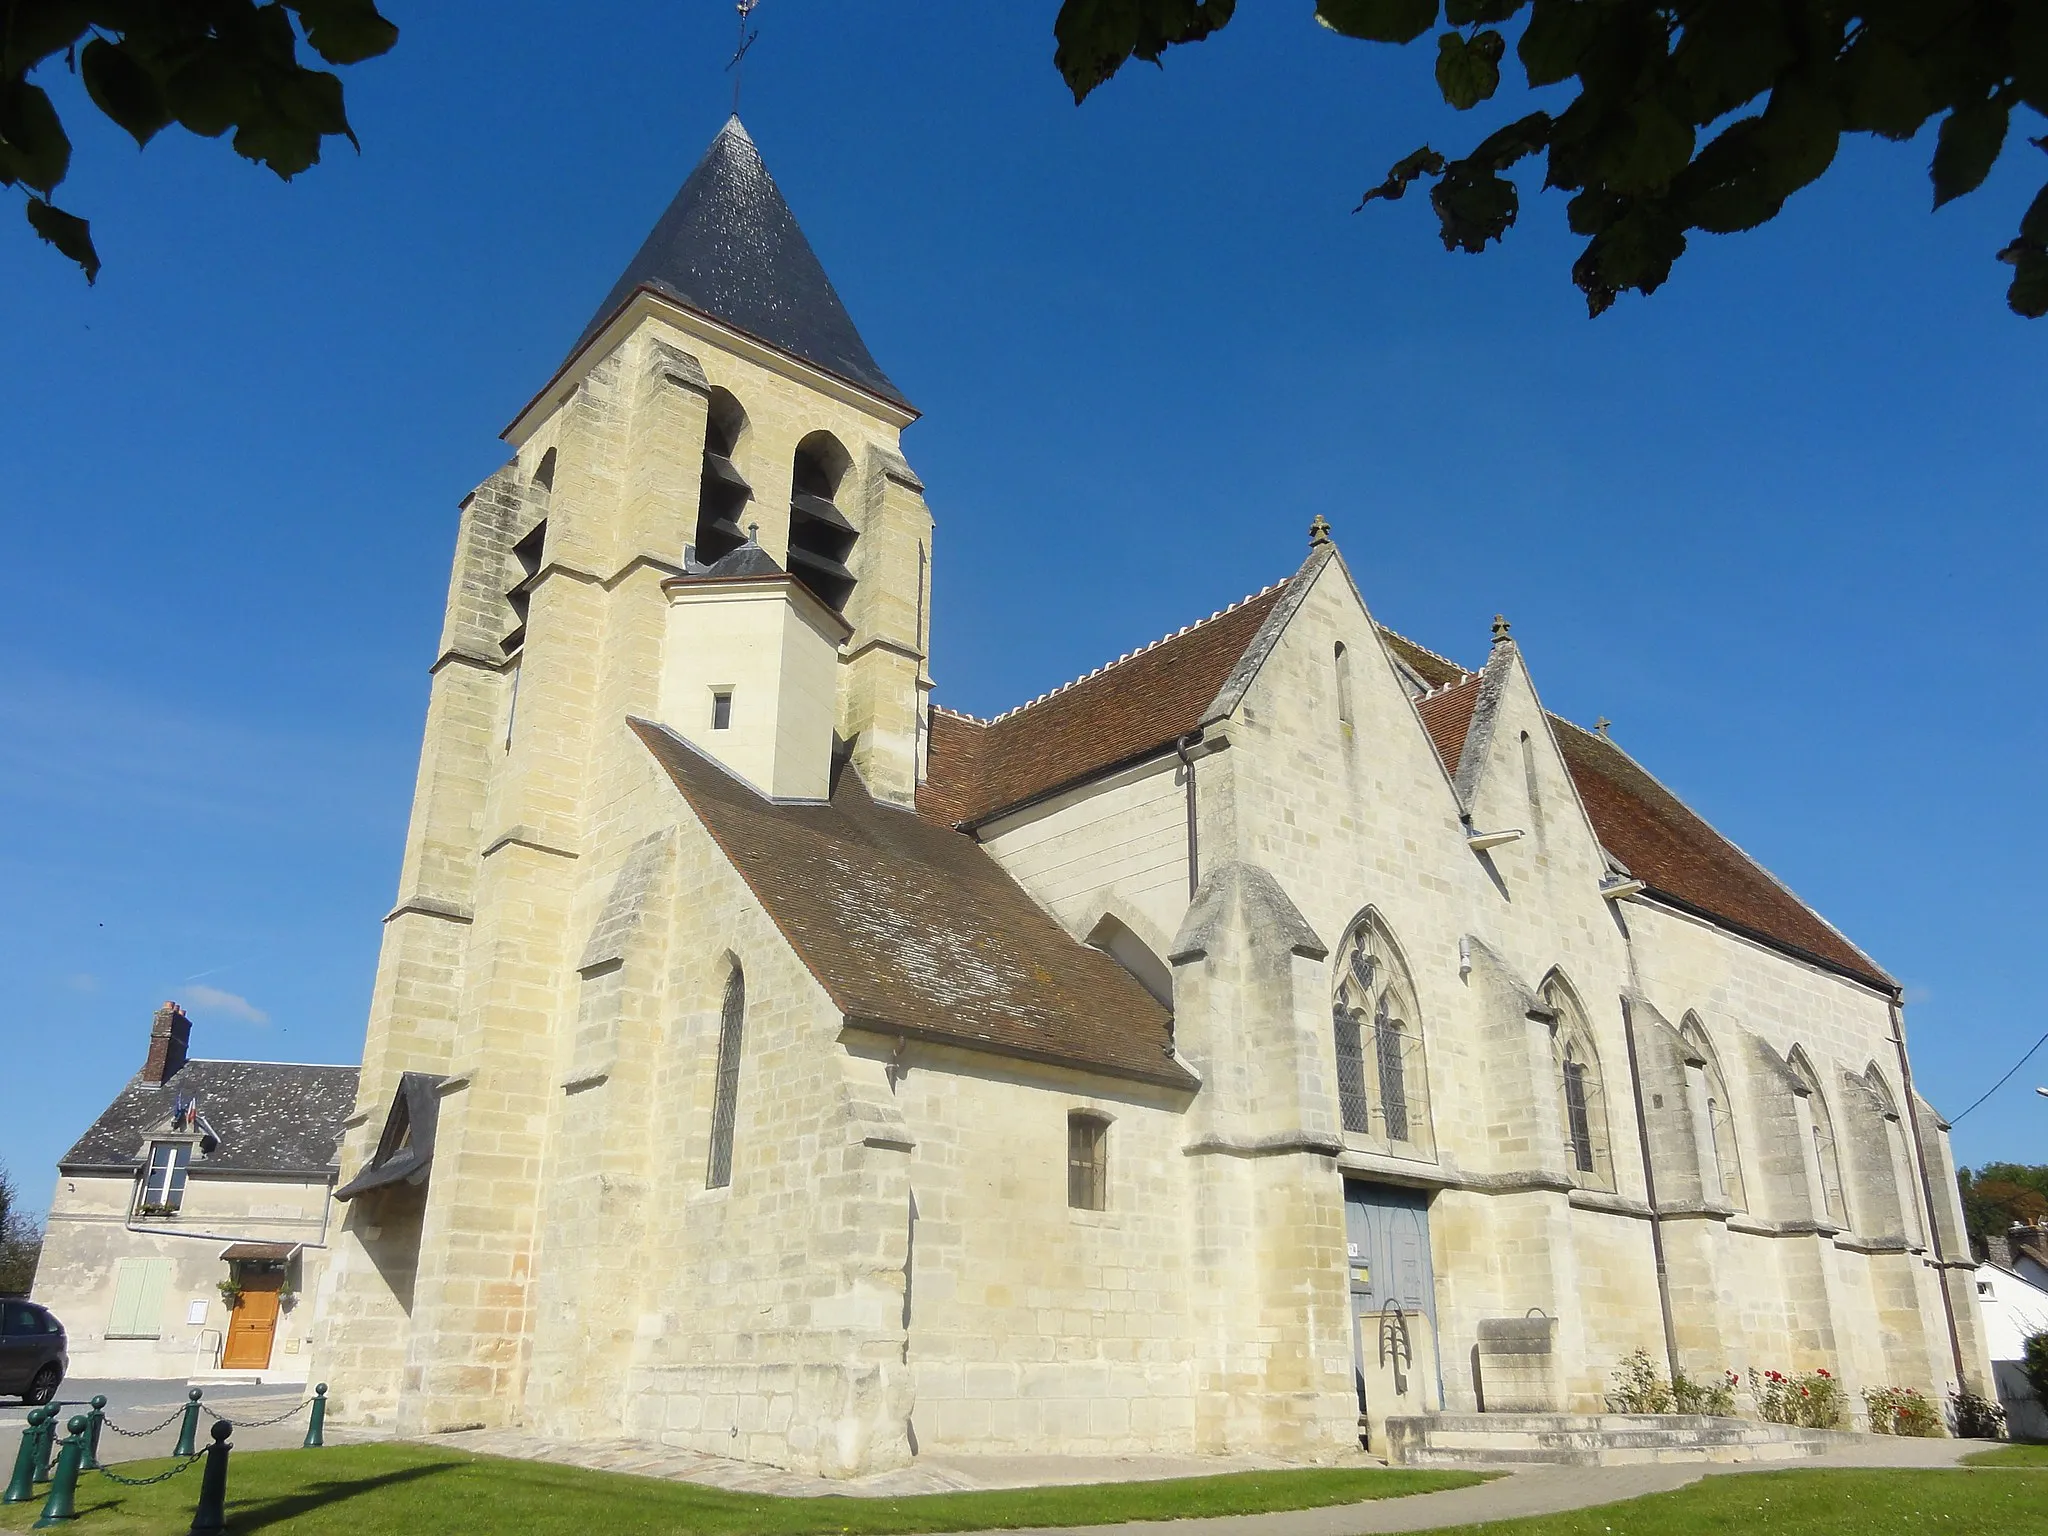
x: 170, y: 1033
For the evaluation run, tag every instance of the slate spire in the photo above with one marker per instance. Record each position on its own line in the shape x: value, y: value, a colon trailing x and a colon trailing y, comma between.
x: 728, y: 247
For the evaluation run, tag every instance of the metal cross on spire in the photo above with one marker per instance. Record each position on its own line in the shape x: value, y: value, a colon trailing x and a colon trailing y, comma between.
x: 736, y: 65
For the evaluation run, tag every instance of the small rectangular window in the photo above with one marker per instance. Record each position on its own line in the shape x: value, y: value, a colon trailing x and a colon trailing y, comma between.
x: 163, y: 1187
x: 721, y: 709
x: 1087, y: 1162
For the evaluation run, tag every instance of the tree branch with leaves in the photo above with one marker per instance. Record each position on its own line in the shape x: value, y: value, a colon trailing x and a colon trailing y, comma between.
x: 1685, y: 116
x: 207, y: 65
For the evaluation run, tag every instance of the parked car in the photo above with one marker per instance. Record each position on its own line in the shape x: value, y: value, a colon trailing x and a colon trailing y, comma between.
x: 33, y: 1351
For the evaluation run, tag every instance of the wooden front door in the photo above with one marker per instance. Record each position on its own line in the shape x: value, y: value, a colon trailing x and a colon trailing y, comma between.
x: 252, y: 1326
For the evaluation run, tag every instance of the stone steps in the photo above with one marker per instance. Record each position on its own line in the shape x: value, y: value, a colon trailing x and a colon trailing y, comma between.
x: 1592, y: 1440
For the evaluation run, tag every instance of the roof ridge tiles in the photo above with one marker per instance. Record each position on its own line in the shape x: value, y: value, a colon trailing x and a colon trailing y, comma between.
x: 1432, y: 655
x: 1186, y: 629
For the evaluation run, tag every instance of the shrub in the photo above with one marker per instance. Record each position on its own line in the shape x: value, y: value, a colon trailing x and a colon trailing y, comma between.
x: 1971, y: 1417
x: 1637, y: 1386
x: 1901, y: 1411
x: 1811, y: 1400
x: 2034, y: 1364
x: 1709, y: 1397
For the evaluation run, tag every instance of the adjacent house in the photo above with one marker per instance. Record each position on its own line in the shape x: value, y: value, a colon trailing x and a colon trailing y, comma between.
x: 193, y: 1214
x: 2012, y: 1293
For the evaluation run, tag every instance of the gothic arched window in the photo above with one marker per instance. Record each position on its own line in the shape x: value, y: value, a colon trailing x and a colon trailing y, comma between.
x: 723, y: 494
x: 1820, y: 1129
x: 732, y: 1022
x: 1724, y: 1176
x: 1581, y: 1087
x: 820, y: 537
x: 1382, y: 1075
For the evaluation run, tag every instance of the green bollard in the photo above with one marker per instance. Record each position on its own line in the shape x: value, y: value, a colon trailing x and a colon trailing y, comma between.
x: 210, y: 1518
x: 62, y: 1504
x: 22, y: 1486
x: 93, y: 1421
x: 188, y: 1432
x: 316, y: 1427
x: 46, y: 1441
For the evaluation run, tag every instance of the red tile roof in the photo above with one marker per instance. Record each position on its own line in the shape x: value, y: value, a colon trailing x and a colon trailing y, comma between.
x: 1132, y: 708
x: 1447, y: 716
x: 915, y: 929
x: 1667, y: 846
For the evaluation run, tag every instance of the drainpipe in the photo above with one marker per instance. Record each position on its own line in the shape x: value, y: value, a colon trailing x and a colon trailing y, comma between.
x: 1912, y: 1108
x: 1635, y: 1081
x: 1180, y: 747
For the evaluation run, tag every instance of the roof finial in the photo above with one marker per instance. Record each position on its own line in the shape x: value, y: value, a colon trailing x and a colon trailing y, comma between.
x: 733, y: 65
x: 754, y: 533
x: 1600, y: 726
x: 1500, y: 629
x: 1319, y: 532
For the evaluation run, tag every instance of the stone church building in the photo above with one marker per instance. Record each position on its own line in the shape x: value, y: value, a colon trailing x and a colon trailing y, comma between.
x: 1281, y: 1028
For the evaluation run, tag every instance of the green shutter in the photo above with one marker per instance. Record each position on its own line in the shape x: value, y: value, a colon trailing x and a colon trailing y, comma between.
x: 139, y: 1287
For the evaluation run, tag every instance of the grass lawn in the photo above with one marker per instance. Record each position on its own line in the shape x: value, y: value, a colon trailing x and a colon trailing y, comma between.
x: 1812, y: 1504
x: 411, y: 1490
x: 2010, y: 1456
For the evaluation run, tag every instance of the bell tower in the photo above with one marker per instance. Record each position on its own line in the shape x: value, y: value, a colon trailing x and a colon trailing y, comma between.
x: 707, y: 521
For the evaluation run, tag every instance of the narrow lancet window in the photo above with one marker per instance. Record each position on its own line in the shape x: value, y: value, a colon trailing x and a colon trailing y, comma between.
x: 1582, y: 1094
x: 725, y: 1098
x: 1343, y: 685
x: 1087, y: 1162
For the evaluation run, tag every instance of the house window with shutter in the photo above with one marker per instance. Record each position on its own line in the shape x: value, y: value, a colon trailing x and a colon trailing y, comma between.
x: 163, y: 1183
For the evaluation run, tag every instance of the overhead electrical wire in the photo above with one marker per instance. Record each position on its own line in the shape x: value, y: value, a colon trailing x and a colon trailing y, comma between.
x: 2007, y: 1078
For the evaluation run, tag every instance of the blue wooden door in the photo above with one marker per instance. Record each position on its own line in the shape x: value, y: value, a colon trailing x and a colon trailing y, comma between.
x: 1386, y: 1230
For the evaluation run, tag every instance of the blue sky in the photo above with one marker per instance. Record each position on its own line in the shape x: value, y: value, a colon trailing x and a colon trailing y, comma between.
x: 1781, y: 522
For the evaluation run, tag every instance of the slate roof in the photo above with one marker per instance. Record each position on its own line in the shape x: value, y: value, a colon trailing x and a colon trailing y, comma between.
x: 913, y: 928
x: 729, y: 248
x: 1141, y: 704
x: 750, y: 559
x: 271, y: 1117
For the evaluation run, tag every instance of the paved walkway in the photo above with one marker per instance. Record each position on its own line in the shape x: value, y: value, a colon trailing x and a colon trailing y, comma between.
x: 1521, y: 1491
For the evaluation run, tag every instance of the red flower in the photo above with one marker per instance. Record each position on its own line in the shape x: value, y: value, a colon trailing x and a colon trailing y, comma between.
x: 1821, y: 1372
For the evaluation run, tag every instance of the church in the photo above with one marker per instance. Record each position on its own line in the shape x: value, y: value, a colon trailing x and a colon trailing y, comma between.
x: 1282, y: 1029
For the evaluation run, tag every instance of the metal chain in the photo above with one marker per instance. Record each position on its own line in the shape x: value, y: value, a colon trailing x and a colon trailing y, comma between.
x: 138, y: 1434
x: 144, y: 1482
x: 261, y: 1423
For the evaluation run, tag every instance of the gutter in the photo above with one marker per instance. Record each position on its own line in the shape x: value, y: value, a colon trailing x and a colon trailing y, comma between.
x: 1193, y: 738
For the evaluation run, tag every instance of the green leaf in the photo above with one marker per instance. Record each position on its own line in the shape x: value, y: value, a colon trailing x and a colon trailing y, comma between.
x: 2028, y: 294
x: 346, y: 31
x: 1468, y: 72
x: 1970, y: 139
x: 1473, y: 13
x: 35, y: 31
x: 274, y: 140
x: 34, y: 148
x: 212, y: 92
x: 123, y: 89
x: 1726, y: 188
x: 1797, y: 136
x: 1652, y: 147
x: 1094, y: 37
x: 1474, y: 204
x: 2034, y: 222
x: 1728, y: 54
x: 1423, y: 162
x: 66, y: 231
x: 1378, y: 21
x: 1636, y: 251
x: 1504, y: 146
x: 1883, y: 89
x: 312, y: 99
x: 1556, y: 39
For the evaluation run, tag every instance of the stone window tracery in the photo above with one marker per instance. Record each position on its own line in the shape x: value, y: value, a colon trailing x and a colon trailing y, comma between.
x: 1382, y: 1076
x: 1582, y: 1091
x: 1724, y: 1174
x: 1820, y: 1127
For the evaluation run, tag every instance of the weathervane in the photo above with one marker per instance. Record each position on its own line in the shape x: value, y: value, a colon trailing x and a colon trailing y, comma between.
x: 734, y: 65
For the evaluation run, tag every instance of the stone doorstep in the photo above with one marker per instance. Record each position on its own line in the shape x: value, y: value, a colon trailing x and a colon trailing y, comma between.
x: 1597, y: 1440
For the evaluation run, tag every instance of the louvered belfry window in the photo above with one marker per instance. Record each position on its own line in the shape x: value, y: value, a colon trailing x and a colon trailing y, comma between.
x: 1087, y: 1162
x: 725, y: 1103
